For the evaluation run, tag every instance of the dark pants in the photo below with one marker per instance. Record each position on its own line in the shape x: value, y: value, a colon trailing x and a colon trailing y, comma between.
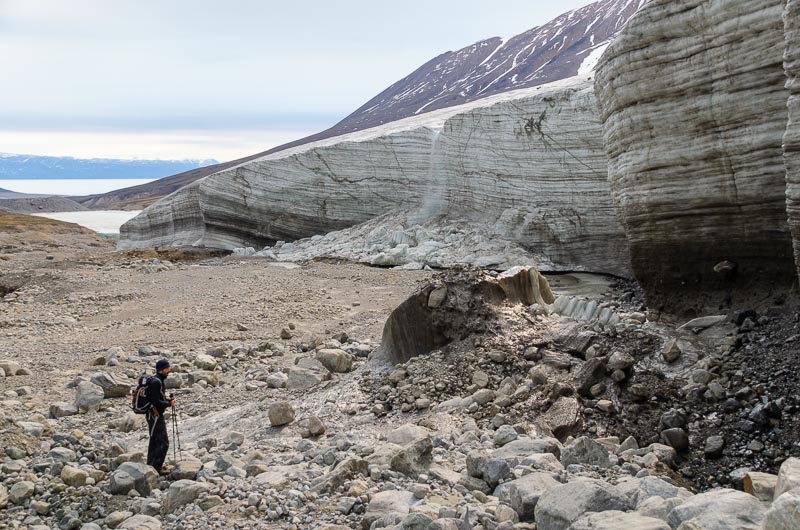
x: 159, y: 441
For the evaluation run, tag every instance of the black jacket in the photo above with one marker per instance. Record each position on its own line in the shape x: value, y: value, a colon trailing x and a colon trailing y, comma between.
x: 155, y: 393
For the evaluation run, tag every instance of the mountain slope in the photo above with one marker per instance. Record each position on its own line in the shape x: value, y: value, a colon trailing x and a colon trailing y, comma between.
x: 562, y: 48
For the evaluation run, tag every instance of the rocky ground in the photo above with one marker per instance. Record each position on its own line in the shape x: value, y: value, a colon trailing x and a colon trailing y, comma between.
x: 293, y: 414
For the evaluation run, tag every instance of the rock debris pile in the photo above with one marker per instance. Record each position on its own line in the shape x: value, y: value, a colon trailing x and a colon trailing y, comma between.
x: 520, y: 417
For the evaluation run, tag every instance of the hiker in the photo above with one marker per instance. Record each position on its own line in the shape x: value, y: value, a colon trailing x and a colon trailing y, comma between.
x: 158, y: 402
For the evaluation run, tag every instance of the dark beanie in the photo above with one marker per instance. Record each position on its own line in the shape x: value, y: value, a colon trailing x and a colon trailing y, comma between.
x: 160, y: 365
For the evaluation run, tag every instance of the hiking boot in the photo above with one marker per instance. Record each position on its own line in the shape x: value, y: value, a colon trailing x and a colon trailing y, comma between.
x: 166, y: 470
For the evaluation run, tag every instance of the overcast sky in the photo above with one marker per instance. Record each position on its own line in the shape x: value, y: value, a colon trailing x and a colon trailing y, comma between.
x: 212, y: 79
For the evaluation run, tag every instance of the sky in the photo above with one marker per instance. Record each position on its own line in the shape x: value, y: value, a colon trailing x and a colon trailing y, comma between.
x: 206, y: 79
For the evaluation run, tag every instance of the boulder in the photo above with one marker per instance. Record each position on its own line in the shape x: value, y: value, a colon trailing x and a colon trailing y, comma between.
x: 140, y: 522
x: 676, y: 438
x: 205, y: 362
x: 760, y: 485
x: 62, y: 410
x: 584, y: 450
x: 307, y: 373
x: 564, y: 417
x: 88, y: 396
x: 591, y: 373
x: 21, y: 492
x: 10, y: 367
x: 620, y: 361
x: 504, y: 434
x: 562, y: 505
x: 407, y: 433
x: 281, y: 413
x: 788, y: 477
x: 521, y: 448
x: 413, y: 458
x: 183, y: 492
x: 651, y: 487
x: 210, y: 378
x: 784, y: 514
x: 658, y: 508
x: 437, y: 296
x: 73, y: 476
x: 347, y: 470
x: 335, y: 360
x: 389, y: 502
x: 31, y: 428
x: 719, y: 509
x: 132, y: 475
x: 714, y: 447
x: 112, y: 388
x: 524, y: 493
x: 495, y: 470
x: 315, y: 426
x: 616, y: 520
x: 277, y: 380
x: 186, y: 470
x: 3, y: 496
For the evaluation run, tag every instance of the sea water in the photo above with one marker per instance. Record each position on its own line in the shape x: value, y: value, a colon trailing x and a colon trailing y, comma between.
x: 106, y: 222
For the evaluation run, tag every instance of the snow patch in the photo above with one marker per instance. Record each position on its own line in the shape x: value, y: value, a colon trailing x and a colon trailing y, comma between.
x: 588, y: 64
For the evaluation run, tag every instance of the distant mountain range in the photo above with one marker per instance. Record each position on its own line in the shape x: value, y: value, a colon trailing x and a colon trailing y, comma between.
x: 29, y: 167
x: 562, y: 48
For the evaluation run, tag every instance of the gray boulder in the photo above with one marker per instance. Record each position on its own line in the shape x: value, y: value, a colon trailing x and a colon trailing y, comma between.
x: 88, y: 396
x: 335, y: 360
x: 521, y: 448
x: 63, y: 454
x: 525, y: 492
x: 651, y: 487
x: 21, y: 492
x: 10, y: 367
x: 205, y: 362
x: 186, y: 470
x: 385, y: 503
x: 3, y: 497
x: 183, y: 492
x: 495, y: 470
x: 564, y: 417
x: 719, y: 509
x: 73, y: 476
x: 140, y: 522
x: 281, y: 413
x: 132, y: 475
x: 616, y: 520
x: 504, y: 434
x: 784, y: 514
x: 62, y: 409
x: 407, y: 433
x: 592, y: 372
x: 306, y: 374
x: 659, y: 508
x: 112, y: 387
x: 559, y: 507
x: 413, y: 458
x: 788, y: 477
x: 208, y: 377
x: 277, y: 380
x: 584, y: 450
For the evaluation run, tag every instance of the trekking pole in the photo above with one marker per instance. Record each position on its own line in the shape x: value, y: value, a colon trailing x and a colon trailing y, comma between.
x: 175, y: 431
x: 174, y: 454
